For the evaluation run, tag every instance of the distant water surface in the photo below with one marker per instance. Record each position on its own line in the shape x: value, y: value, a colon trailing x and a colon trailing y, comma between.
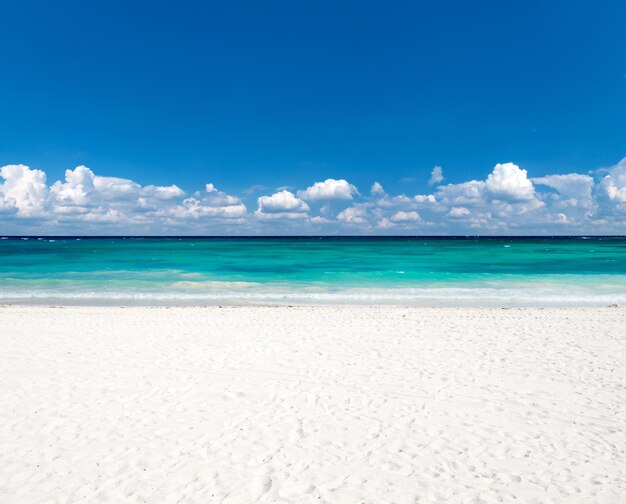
x: 314, y: 270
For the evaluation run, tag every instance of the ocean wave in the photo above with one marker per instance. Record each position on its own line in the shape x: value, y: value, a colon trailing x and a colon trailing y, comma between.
x: 211, y: 284
x: 248, y: 293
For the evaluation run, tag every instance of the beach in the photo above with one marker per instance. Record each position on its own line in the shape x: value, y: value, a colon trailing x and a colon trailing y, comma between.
x: 333, y: 404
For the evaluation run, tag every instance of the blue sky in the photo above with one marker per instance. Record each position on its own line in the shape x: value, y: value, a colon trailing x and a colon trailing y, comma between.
x: 258, y: 98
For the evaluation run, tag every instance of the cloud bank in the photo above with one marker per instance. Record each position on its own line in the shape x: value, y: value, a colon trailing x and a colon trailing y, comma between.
x: 507, y: 201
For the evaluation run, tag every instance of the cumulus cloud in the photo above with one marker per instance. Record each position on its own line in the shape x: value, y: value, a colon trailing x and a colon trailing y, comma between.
x: 612, y: 186
x: 281, y: 205
x: 494, y: 203
x: 506, y: 201
x: 377, y: 189
x: 436, y: 176
x: 402, y: 216
x: 212, y: 203
x: 91, y: 200
x: 424, y: 198
x: 330, y: 189
x: 7, y: 205
x: 320, y: 220
x: 458, y: 212
x: 282, y: 201
x: 465, y: 193
x: 24, y: 189
x: 572, y: 199
x: 163, y: 192
x: 353, y: 215
x: 573, y: 187
x: 116, y: 188
x: 197, y: 208
x: 508, y: 182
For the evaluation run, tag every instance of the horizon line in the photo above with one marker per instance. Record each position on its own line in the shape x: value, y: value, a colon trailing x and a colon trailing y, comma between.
x: 12, y: 237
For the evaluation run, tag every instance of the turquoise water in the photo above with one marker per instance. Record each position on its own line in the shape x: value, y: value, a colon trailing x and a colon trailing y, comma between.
x: 406, y: 271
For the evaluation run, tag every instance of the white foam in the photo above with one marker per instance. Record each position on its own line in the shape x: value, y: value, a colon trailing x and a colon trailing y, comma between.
x: 245, y: 293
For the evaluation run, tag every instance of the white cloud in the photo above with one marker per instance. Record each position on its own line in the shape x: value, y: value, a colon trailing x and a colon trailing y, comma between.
x: 77, y: 189
x: 115, y: 188
x: 212, y: 203
x: 353, y: 215
x: 24, y: 189
x: 499, y: 201
x: 573, y: 186
x: 87, y: 199
x: 456, y: 212
x: 507, y: 182
x: 424, y: 198
x: 163, y: 192
x: 7, y: 205
x: 507, y: 201
x: 280, y: 216
x: 387, y: 201
x: 377, y: 189
x: 197, y: 208
x: 404, y: 217
x: 401, y: 200
x: 281, y: 202
x: 573, y: 196
x: 613, y: 183
x: 436, y: 176
x: 330, y: 189
x: 320, y: 220
x: 465, y: 193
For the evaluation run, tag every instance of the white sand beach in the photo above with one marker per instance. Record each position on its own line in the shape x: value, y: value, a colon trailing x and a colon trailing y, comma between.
x: 312, y: 405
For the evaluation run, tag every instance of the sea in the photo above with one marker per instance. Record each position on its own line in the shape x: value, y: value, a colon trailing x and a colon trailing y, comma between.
x: 411, y: 271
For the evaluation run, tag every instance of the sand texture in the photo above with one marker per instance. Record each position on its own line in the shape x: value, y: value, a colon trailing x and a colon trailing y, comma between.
x: 312, y: 404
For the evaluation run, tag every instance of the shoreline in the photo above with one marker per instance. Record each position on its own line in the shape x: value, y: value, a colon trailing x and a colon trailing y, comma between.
x: 89, y: 303
x: 286, y: 306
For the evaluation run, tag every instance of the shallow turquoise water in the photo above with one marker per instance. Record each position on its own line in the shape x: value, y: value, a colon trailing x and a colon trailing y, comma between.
x: 422, y: 271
